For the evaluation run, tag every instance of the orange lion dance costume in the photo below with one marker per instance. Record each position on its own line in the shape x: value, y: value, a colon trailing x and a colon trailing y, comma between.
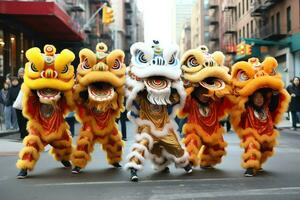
x: 207, y: 83
x: 261, y: 102
x: 47, y: 97
x: 99, y: 95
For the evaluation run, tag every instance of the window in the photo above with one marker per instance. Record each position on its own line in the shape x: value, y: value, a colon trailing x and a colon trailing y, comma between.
x: 247, y: 5
x: 243, y: 11
x: 239, y: 10
x: 278, y: 22
x: 240, y: 34
x: 251, y: 28
x: 288, y: 19
x: 272, y: 24
x: 244, y: 32
x: 13, y: 53
x: 248, y: 30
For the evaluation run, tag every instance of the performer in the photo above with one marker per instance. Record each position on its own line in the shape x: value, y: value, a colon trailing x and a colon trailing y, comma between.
x: 47, y: 98
x: 99, y: 94
x: 154, y: 93
x: 262, y: 100
x: 207, y: 82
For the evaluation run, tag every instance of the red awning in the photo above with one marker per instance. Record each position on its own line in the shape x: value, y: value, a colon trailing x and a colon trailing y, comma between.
x: 44, y: 18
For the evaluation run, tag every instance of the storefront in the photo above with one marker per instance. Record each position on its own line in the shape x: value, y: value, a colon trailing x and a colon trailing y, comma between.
x: 27, y: 24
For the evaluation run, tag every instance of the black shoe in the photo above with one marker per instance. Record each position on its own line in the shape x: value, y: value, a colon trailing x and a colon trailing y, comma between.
x: 22, y: 174
x: 133, y: 175
x: 76, y: 170
x: 188, y: 169
x: 207, y: 167
x: 66, y: 163
x: 249, y: 172
x: 166, y: 170
x: 117, y: 165
x: 124, y: 139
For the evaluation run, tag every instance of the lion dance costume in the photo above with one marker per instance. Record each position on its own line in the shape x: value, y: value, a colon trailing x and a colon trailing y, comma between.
x: 154, y: 93
x: 207, y: 83
x: 261, y: 102
x: 99, y: 95
x: 47, y: 97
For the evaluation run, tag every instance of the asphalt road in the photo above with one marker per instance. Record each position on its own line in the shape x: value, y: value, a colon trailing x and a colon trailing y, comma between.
x: 280, y: 180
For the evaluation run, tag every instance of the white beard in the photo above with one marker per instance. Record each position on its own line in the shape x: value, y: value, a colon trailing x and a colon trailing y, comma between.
x: 159, y: 97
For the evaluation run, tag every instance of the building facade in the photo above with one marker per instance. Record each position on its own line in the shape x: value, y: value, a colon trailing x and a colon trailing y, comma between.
x: 63, y: 23
x: 185, y: 38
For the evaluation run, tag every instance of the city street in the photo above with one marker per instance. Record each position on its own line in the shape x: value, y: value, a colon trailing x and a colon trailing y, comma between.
x: 280, y: 180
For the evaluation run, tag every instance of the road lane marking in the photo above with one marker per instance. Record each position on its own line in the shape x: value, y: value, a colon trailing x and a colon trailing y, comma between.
x: 229, y: 193
x: 140, y: 182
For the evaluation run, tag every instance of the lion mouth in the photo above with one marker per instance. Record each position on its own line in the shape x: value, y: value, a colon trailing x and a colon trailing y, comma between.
x: 47, y: 95
x: 159, y: 90
x: 157, y: 83
x: 101, y: 91
x: 213, y: 83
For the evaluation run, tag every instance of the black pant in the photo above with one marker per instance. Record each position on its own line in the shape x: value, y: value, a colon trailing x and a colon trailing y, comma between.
x: 123, y: 119
x: 71, y: 122
x: 22, y: 123
x: 294, y: 118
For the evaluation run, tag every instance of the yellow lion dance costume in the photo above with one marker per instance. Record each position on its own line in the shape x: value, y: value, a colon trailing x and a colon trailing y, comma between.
x: 207, y: 83
x: 47, y: 97
x: 261, y: 102
x: 99, y: 95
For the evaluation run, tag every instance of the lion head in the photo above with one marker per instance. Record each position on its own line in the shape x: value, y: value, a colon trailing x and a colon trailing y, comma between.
x: 100, y: 78
x: 248, y: 77
x: 204, y: 71
x: 155, y: 69
x: 49, y: 74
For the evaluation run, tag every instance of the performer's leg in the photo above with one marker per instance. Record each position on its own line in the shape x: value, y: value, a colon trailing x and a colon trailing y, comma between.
x: 29, y: 154
x: 62, y: 149
x: 81, y: 155
x: 252, y: 155
x: 267, y: 150
x: 139, y: 150
x: 193, y: 143
x: 172, y: 150
x: 114, y: 148
x: 213, y: 154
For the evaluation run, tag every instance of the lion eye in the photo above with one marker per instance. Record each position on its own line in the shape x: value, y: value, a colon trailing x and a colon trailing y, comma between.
x: 33, y: 67
x: 117, y: 65
x: 192, y: 62
x: 140, y: 56
x: 242, y: 76
x: 65, y: 70
x: 85, y: 65
x: 172, y: 60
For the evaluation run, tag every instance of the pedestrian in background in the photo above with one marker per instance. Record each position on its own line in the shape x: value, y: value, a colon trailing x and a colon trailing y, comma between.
x: 22, y: 121
x: 4, y: 99
x: 294, y: 107
x: 13, y: 92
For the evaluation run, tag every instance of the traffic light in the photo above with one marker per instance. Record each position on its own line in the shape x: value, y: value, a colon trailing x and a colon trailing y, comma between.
x: 107, y: 15
x: 248, y: 50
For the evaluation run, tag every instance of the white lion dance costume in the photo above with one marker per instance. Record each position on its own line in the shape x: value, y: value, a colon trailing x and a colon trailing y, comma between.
x: 154, y: 93
x: 99, y: 94
x: 47, y: 98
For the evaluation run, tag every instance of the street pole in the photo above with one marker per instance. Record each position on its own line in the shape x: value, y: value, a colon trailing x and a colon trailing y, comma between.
x: 92, y: 17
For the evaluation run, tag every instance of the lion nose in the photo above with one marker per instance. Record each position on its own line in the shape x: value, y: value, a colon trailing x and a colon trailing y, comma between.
x: 100, y: 67
x: 49, y: 73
